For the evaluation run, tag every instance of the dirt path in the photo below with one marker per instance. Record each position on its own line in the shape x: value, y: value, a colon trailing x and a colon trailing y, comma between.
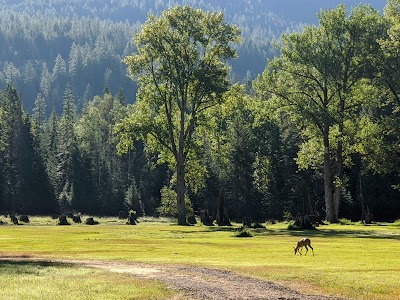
x: 196, y: 283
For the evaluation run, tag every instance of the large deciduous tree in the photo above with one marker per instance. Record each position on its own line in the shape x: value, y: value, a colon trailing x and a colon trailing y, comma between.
x: 181, y: 67
x: 386, y: 156
x: 318, y: 78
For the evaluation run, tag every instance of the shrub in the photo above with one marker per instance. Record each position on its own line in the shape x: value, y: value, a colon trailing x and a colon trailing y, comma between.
x: 169, y: 207
x: 243, y: 231
x: 133, y: 199
x: 344, y: 221
x: 257, y: 225
x: 271, y: 222
x: 287, y: 216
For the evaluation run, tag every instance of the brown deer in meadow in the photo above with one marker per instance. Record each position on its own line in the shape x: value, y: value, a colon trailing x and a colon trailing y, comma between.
x: 303, y: 243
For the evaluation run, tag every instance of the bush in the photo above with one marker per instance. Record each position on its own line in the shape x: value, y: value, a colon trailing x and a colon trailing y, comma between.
x: 169, y: 207
x: 243, y: 231
x: 257, y: 225
x: 287, y: 216
x: 344, y: 221
x: 133, y: 199
x: 271, y: 222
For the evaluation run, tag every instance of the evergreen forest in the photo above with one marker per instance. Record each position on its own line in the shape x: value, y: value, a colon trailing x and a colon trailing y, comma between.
x: 283, y: 109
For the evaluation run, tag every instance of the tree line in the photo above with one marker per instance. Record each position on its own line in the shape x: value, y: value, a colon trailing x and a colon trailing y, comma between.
x: 316, y: 133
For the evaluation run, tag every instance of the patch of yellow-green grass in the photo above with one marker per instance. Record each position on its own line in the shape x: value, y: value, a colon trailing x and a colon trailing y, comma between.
x: 51, y: 281
x: 362, y: 262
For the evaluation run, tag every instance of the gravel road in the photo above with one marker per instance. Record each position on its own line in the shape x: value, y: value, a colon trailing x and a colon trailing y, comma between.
x: 196, y: 283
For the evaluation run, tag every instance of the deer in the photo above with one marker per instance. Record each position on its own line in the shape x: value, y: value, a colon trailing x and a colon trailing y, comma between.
x: 303, y: 243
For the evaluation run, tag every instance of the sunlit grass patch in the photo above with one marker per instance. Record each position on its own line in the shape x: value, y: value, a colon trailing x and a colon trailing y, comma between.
x: 357, y: 261
x: 42, y: 281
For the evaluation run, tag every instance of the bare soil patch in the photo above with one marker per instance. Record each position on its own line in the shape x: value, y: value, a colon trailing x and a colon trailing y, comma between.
x: 196, y: 283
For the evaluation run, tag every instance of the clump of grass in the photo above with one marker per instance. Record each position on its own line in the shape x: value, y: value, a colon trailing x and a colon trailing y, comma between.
x: 243, y: 231
x: 48, y: 281
x: 397, y: 222
x: 345, y: 221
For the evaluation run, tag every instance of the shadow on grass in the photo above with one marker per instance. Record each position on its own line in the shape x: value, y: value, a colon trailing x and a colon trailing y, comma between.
x: 321, y: 231
x: 222, y: 228
x: 25, y: 261
x: 325, y: 233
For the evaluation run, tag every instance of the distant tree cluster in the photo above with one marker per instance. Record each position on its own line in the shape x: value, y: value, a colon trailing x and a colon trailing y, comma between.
x: 40, y: 54
x: 44, y: 45
x: 69, y: 162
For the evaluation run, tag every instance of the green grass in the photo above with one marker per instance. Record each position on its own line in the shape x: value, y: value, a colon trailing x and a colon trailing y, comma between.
x: 361, y: 262
x: 30, y: 280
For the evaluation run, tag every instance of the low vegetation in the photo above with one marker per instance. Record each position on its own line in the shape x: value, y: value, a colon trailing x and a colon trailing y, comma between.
x: 38, y: 281
x: 355, y: 261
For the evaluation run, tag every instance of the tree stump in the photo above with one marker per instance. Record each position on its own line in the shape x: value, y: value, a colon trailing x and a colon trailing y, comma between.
x: 191, y: 220
x: 368, y: 218
x: 223, y: 220
x: 24, y: 218
x: 76, y: 219
x: 205, y: 218
x: 62, y: 220
x: 131, y: 220
x: 14, y: 220
x: 91, y: 221
x: 303, y: 222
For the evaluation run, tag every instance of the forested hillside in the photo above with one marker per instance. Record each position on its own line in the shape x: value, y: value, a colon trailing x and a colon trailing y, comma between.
x: 319, y: 123
x: 46, y: 44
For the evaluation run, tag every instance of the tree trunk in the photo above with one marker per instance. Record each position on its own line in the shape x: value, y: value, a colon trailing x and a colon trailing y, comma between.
x: 330, y: 214
x: 339, y: 179
x: 307, y: 203
x: 360, y: 195
x: 222, y: 212
x: 181, y: 190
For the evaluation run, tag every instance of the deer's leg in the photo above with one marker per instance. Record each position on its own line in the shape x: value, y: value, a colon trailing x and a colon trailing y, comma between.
x: 312, y: 250
x: 306, y: 249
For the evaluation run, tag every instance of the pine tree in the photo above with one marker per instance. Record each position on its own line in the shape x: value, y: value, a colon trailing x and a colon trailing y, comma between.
x: 13, y: 170
x: 39, y: 114
x: 66, y: 150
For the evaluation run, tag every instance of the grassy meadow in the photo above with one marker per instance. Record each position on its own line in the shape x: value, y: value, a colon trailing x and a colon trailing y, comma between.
x: 355, y: 261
